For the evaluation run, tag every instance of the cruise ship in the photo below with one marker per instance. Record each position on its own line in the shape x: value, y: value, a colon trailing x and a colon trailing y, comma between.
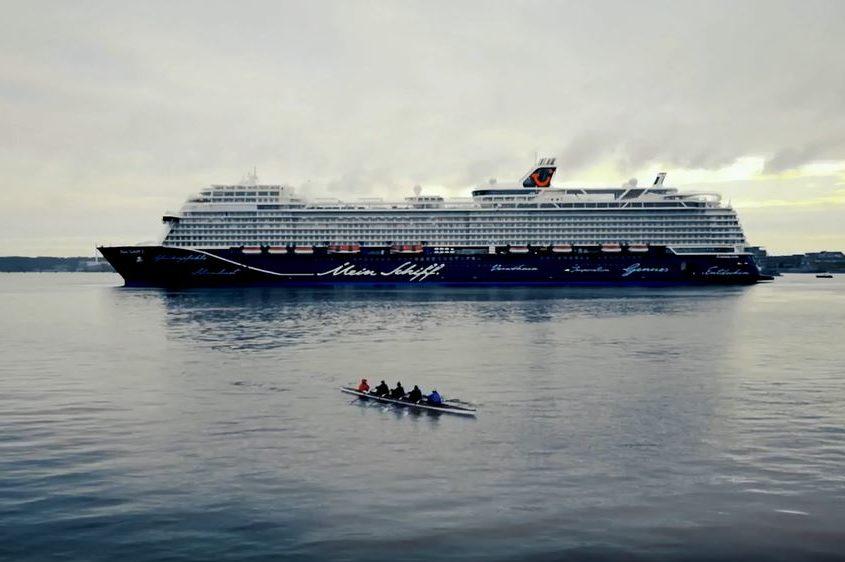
x: 525, y: 232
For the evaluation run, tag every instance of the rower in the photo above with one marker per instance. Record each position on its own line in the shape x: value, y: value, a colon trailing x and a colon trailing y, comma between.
x: 434, y: 397
x: 415, y: 395
x: 382, y: 389
x: 363, y: 387
x: 397, y: 392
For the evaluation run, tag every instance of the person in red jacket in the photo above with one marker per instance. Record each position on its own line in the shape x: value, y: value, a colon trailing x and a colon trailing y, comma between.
x: 363, y: 387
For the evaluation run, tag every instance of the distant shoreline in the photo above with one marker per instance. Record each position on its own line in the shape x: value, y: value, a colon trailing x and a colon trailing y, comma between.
x: 46, y: 264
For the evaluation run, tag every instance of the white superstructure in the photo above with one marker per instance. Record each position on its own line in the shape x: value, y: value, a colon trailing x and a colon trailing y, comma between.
x: 529, y: 212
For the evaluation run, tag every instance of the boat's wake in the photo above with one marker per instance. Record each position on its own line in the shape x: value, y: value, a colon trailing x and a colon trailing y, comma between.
x: 259, y: 385
x: 458, y: 402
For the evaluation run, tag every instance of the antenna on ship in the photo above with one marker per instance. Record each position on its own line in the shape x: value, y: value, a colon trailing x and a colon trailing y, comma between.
x: 251, y: 178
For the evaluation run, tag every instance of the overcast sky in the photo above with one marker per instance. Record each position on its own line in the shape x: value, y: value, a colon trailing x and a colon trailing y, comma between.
x: 113, y: 112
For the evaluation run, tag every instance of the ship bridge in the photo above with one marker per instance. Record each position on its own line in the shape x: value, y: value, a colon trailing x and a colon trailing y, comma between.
x: 528, y: 192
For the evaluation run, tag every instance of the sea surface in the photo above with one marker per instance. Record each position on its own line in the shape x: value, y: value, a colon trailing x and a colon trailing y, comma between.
x: 616, y: 423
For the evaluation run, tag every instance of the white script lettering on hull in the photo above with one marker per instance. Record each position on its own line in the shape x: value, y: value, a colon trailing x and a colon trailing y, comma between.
x: 578, y: 269
x: 520, y: 267
x: 349, y: 270
x: 637, y: 268
x: 715, y: 270
x: 204, y: 271
x: 183, y: 258
x: 407, y: 269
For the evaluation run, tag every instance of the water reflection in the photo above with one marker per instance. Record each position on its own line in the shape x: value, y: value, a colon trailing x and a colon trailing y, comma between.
x: 208, y: 424
x: 268, y: 318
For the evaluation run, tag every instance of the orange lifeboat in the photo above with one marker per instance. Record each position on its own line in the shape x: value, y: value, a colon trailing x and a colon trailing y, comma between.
x: 562, y: 248
x: 518, y: 249
x: 303, y: 250
x: 277, y: 250
x: 611, y: 248
x: 344, y: 248
x: 407, y: 248
x: 251, y: 249
x: 638, y: 247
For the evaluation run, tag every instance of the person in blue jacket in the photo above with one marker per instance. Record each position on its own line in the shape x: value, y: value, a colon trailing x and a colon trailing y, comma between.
x: 434, y: 398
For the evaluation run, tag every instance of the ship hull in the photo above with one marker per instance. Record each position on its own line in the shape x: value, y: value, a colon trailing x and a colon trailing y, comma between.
x: 162, y: 266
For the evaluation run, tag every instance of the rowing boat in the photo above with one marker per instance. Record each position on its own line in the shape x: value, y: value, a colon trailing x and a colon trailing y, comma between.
x: 443, y: 407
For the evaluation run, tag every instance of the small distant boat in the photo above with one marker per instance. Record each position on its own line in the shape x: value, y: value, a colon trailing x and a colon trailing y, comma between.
x: 443, y: 407
x: 824, y: 276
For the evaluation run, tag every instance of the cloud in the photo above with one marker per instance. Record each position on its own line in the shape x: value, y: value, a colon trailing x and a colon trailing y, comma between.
x: 155, y: 99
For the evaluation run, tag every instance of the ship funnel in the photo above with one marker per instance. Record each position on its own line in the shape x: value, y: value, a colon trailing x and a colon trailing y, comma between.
x: 659, y: 179
x: 541, y: 174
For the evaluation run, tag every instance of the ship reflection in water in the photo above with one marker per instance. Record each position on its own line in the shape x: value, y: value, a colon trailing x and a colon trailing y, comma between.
x: 672, y: 423
x: 283, y: 316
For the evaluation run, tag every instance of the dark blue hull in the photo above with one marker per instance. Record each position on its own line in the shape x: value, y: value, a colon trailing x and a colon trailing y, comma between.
x: 161, y: 266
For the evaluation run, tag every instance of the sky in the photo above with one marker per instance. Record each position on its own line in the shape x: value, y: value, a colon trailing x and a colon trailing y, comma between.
x: 112, y: 113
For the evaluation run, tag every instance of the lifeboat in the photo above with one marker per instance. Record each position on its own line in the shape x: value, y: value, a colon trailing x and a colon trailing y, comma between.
x: 518, y: 249
x: 277, y: 250
x: 303, y: 250
x: 611, y: 248
x: 251, y: 249
x: 638, y: 247
x: 562, y: 248
x: 344, y: 248
x: 407, y: 248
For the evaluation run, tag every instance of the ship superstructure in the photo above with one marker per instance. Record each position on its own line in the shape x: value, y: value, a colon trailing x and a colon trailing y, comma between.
x: 524, y: 213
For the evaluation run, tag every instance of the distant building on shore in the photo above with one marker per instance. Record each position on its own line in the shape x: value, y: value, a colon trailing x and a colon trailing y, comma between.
x: 811, y: 262
x: 826, y: 261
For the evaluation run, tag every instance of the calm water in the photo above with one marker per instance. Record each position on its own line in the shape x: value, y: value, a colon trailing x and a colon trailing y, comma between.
x: 207, y: 425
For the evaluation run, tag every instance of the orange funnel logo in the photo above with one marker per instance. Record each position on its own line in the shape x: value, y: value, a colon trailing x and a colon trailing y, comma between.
x: 541, y: 177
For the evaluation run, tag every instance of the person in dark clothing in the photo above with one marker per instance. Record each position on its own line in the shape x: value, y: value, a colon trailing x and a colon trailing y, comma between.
x: 415, y: 395
x: 382, y: 389
x: 434, y: 398
x: 397, y: 392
